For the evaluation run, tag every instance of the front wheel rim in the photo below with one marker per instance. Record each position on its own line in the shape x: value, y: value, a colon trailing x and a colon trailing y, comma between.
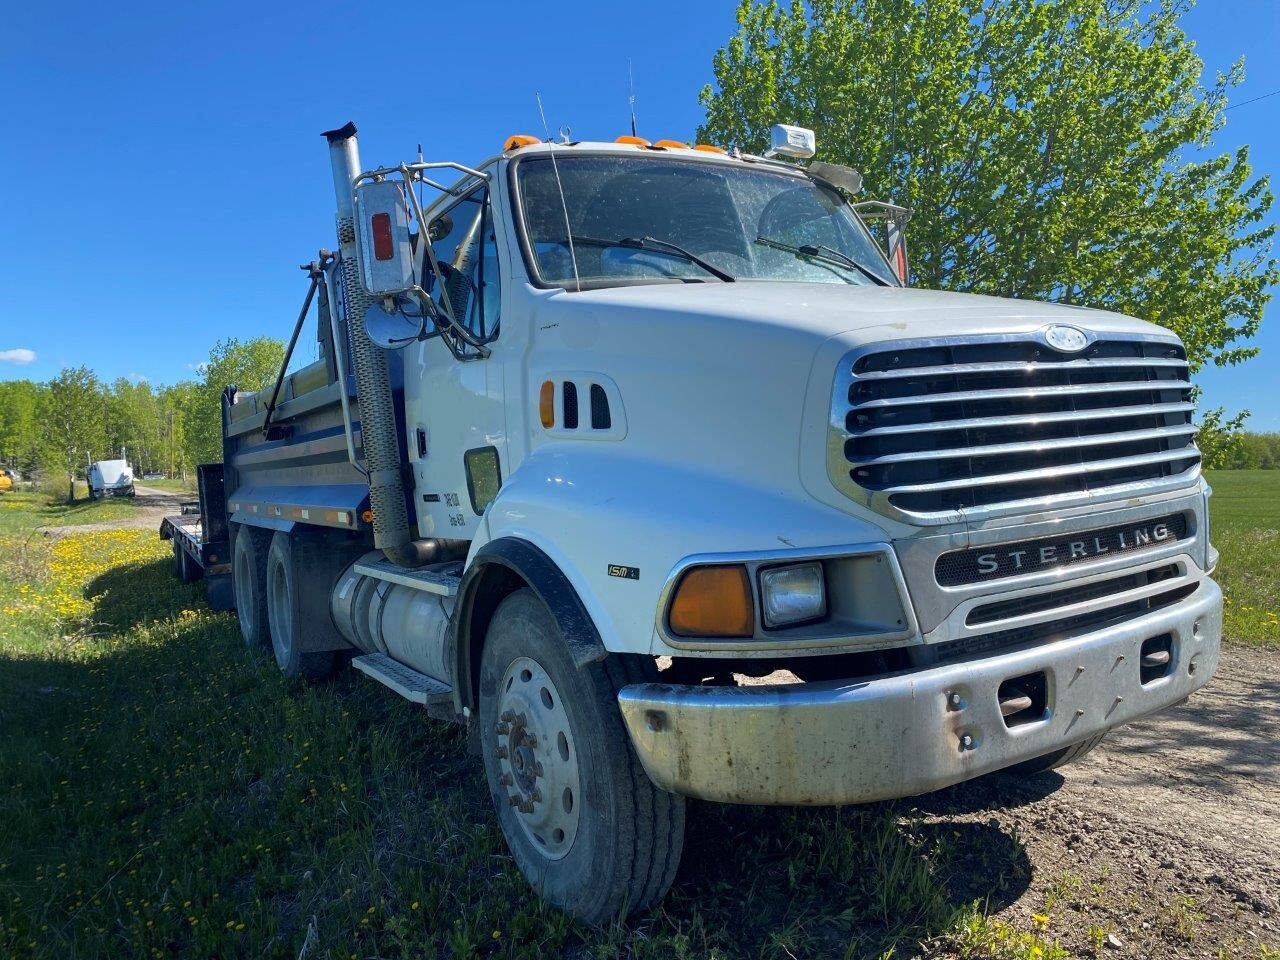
x: 537, y: 758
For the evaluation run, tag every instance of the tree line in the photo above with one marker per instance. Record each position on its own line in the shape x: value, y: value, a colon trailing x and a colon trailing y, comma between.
x: 1253, y: 451
x: 53, y: 430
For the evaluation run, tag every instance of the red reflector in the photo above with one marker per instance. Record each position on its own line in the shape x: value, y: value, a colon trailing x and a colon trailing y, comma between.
x: 382, y: 246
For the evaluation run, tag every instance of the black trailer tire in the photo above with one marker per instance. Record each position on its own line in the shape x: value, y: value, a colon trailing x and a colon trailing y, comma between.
x: 562, y: 727
x: 1053, y: 759
x: 297, y: 601
x: 249, y: 570
x: 184, y: 565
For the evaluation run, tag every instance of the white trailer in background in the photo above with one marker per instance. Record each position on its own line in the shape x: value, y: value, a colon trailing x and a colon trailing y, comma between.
x: 110, y: 478
x: 642, y: 461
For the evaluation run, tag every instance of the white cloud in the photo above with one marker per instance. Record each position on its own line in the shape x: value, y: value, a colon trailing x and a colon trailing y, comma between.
x: 21, y: 356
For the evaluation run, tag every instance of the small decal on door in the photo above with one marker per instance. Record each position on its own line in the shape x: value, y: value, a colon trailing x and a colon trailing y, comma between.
x: 626, y: 573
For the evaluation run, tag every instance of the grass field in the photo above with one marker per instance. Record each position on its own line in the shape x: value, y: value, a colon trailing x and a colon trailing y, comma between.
x: 164, y: 793
x: 172, y: 484
x: 1245, y: 527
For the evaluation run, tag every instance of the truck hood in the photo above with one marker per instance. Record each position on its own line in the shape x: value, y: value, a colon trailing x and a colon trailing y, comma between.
x: 735, y: 379
x: 869, y: 313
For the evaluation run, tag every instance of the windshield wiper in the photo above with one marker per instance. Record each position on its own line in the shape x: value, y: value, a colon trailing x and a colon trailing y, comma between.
x: 825, y: 254
x: 658, y: 246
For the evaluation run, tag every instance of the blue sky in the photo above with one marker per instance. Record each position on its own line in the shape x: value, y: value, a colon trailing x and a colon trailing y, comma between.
x: 163, y: 173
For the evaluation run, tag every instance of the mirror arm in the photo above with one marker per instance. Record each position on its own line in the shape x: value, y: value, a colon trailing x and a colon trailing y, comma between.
x: 446, y: 324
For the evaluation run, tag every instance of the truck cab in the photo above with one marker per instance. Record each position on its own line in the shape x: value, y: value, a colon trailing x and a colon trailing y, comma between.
x: 643, y: 461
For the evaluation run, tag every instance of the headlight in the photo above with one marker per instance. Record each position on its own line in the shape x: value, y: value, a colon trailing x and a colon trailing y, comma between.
x: 792, y: 594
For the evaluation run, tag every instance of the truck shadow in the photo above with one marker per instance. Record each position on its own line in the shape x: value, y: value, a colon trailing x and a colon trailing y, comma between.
x: 854, y: 881
x: 129, y: 596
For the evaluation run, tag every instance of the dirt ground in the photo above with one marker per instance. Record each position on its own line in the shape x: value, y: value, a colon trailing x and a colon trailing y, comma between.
x: 152, y: 506
x: 1166, y: 839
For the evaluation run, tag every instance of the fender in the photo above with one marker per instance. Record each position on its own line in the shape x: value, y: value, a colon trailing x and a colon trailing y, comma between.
x: 496, y: 570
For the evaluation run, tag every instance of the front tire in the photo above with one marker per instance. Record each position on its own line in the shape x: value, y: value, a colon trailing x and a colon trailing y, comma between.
x: 1054, y: 759
x: 584, y: 823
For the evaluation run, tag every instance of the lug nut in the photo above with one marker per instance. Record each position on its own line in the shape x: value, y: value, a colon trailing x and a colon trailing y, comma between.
x: 954, y: 700
x: 502, y: 729
x: 501, y: 753
x: 514, y: 800
x: 508, y: 715
x: 966, y: 741
x: 535, y: 795
x: 526, y: 806
x: 536, y: 769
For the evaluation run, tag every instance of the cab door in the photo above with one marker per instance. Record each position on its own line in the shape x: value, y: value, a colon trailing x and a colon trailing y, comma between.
x: 454, y: 415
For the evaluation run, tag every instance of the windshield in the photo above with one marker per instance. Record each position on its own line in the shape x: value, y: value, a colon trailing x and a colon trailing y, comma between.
x: 647, y: 218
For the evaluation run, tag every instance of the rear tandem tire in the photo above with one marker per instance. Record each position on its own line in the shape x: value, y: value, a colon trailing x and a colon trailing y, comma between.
x: 592, y: 834
x: 249, y: 571
x: 296, y: 583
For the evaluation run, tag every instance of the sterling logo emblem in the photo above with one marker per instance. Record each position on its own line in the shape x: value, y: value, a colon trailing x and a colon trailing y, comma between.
x: 1066, y: 339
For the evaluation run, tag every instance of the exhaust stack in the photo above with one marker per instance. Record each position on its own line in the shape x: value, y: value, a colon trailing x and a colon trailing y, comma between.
x: 391, y: 532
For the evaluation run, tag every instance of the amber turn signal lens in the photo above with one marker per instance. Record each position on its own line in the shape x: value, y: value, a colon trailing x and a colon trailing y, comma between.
x: 547, y: 404
x: 713, y: 602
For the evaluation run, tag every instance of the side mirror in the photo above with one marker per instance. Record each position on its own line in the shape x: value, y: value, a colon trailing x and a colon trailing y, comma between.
x: 382, y: 237
x: 396, y: 328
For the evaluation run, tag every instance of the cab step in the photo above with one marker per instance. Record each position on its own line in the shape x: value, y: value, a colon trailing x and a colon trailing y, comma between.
x: 409, y: 683
x: 439, y: 578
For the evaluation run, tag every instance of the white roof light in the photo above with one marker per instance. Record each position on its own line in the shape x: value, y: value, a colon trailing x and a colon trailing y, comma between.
x: 797, y: 143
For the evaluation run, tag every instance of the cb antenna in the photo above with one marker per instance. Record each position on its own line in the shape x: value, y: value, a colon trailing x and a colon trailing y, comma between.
x: 631, y: 99
x: 564, y: 207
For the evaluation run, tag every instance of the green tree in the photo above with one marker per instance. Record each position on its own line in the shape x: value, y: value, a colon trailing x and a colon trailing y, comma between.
x: 72, y: 418
x: 133, y: 422
x: 19, y: 435
x: 1050, y: 149
x: 249, y: 366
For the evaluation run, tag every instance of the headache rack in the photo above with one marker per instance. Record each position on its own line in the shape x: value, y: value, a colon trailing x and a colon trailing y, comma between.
x: 924, y: 430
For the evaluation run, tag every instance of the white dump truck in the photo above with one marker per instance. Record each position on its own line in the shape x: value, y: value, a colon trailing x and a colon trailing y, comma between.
x: 110, y: 478
x: 643, y: 461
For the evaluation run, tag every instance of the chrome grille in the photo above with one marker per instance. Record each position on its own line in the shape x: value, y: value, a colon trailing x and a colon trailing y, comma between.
x: 926, y: 429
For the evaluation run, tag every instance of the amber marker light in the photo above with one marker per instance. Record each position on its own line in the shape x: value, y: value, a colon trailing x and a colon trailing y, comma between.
x: 518, y: 140
x: 547, y: 404
x: 713, y: 602
x: 634, y: 141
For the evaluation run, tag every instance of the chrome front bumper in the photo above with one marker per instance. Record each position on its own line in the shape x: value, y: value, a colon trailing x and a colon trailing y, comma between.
x: 840, y: 742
